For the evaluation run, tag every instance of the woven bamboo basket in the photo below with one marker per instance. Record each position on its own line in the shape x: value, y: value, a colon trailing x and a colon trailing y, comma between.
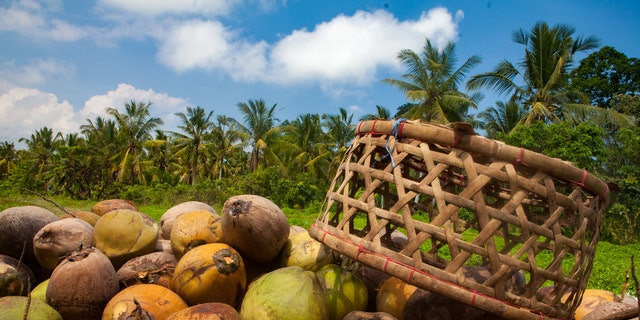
x: 462, y: 199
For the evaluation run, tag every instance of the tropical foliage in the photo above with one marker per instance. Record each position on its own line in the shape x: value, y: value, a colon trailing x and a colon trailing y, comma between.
x: 588, y: 115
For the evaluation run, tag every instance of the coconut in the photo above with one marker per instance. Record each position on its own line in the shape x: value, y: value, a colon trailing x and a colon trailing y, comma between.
x: 15, y: 307
x: 124, y: 234
x: 60, y: 237
x: 107, y: 205
x: 87, y: 216
x: 304, y: 251
x: 202, y: 272
x: 255, y: 226
x: 18, y: 225
x: 82, y: 284
x: 143, y: 301
x: 154, y: 268
x: 393, y: 296
x: 167, y: 219
x: 285, y: 293
x: 16, y: 279
x: 194, y: 228
x: 208, y: 311
x: 40, y: 291
x: 365, y: 315
x: 164, y: 245
x: 343, y: 291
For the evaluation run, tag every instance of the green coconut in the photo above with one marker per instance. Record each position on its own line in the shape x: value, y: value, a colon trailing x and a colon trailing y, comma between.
x: 124, y: 234
x: 304, y: 251
x: 15, y: 307
x: 285, y: 293
x: 343, y: 291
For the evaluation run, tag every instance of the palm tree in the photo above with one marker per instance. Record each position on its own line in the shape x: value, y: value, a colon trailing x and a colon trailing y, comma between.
x: 341, y: 131
x: 8, y: 158
x: 382, y: 114
x: 227, y: 142
x: 196, y: 124
x: 162, y: 160
x: 42, y: 147
x: 134, y: 127
x: 101, y: 136
x: 539, y: 80
x: 260, y: 123
x: 502, y: 118
x: 305, y: 144
x: 432, y: 82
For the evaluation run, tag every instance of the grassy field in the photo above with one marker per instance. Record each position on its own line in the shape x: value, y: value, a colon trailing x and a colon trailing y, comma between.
x: 609, y: 269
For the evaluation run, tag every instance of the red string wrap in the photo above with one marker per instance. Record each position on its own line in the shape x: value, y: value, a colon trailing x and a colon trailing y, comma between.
x: 457, y: 139
x: 473, y: 298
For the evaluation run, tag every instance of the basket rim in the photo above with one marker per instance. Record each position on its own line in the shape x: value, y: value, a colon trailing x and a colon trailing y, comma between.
x: 460, y: 137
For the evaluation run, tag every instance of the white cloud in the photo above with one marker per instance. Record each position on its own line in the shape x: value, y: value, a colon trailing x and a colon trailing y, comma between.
x: 195, y: 44
x: 159, y: 7
x: 350, y: 49
x: 163, y: 106
x: 28, y: 18
x: 25, y: 110
x: 38, y: 71
x: 345, y: 50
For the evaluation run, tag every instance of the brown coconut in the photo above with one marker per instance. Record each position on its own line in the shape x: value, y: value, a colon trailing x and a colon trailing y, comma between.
x: 124, y: 234
x: 255, y: 226
x: 18, y: 225
x: 155, y: 268
x: 207, y: 311
x: 107, y: 205
x: 16, y: 279
x: 168, y: 218
x: 58, y: 238
x: 82, y: 284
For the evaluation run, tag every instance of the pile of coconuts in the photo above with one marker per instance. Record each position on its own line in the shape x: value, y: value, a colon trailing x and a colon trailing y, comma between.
x: 113, y: 261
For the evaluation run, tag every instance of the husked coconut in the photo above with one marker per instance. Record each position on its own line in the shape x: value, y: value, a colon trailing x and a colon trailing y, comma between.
x: 255, y: 226
x: 18, y: 225
x: 82, y: 284
x: 58, y: 238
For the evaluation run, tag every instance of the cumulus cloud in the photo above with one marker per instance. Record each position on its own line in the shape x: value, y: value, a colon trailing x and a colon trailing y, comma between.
x: 353, y: 48
x: 346, y: 49
x: 28, y: 18
x: 159, y: 7
x: 25, y: 110
x: 163, y: 105
x: 36, y: 72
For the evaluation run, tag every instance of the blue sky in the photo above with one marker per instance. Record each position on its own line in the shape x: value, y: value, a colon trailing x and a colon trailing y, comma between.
x: 63, y: 62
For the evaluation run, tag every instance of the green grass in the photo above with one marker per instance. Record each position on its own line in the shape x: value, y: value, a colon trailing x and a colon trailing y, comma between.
x: 609, y: 268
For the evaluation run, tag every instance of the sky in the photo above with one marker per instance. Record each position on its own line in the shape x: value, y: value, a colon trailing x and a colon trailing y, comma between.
x: 63, y: 63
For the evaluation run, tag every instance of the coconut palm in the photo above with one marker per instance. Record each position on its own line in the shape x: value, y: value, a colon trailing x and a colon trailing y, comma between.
x: 382, y: 114
x: 539, y: 80
x: 260, y: 123
x: 196, y: 124
x: 8, y: 158
x: 502, y: 118
x: 305, y: 145
x: 42, y: 147
x: 134, y: 128
x: 227, y: 143
x: 101, y: 136
x: 432, y: 82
